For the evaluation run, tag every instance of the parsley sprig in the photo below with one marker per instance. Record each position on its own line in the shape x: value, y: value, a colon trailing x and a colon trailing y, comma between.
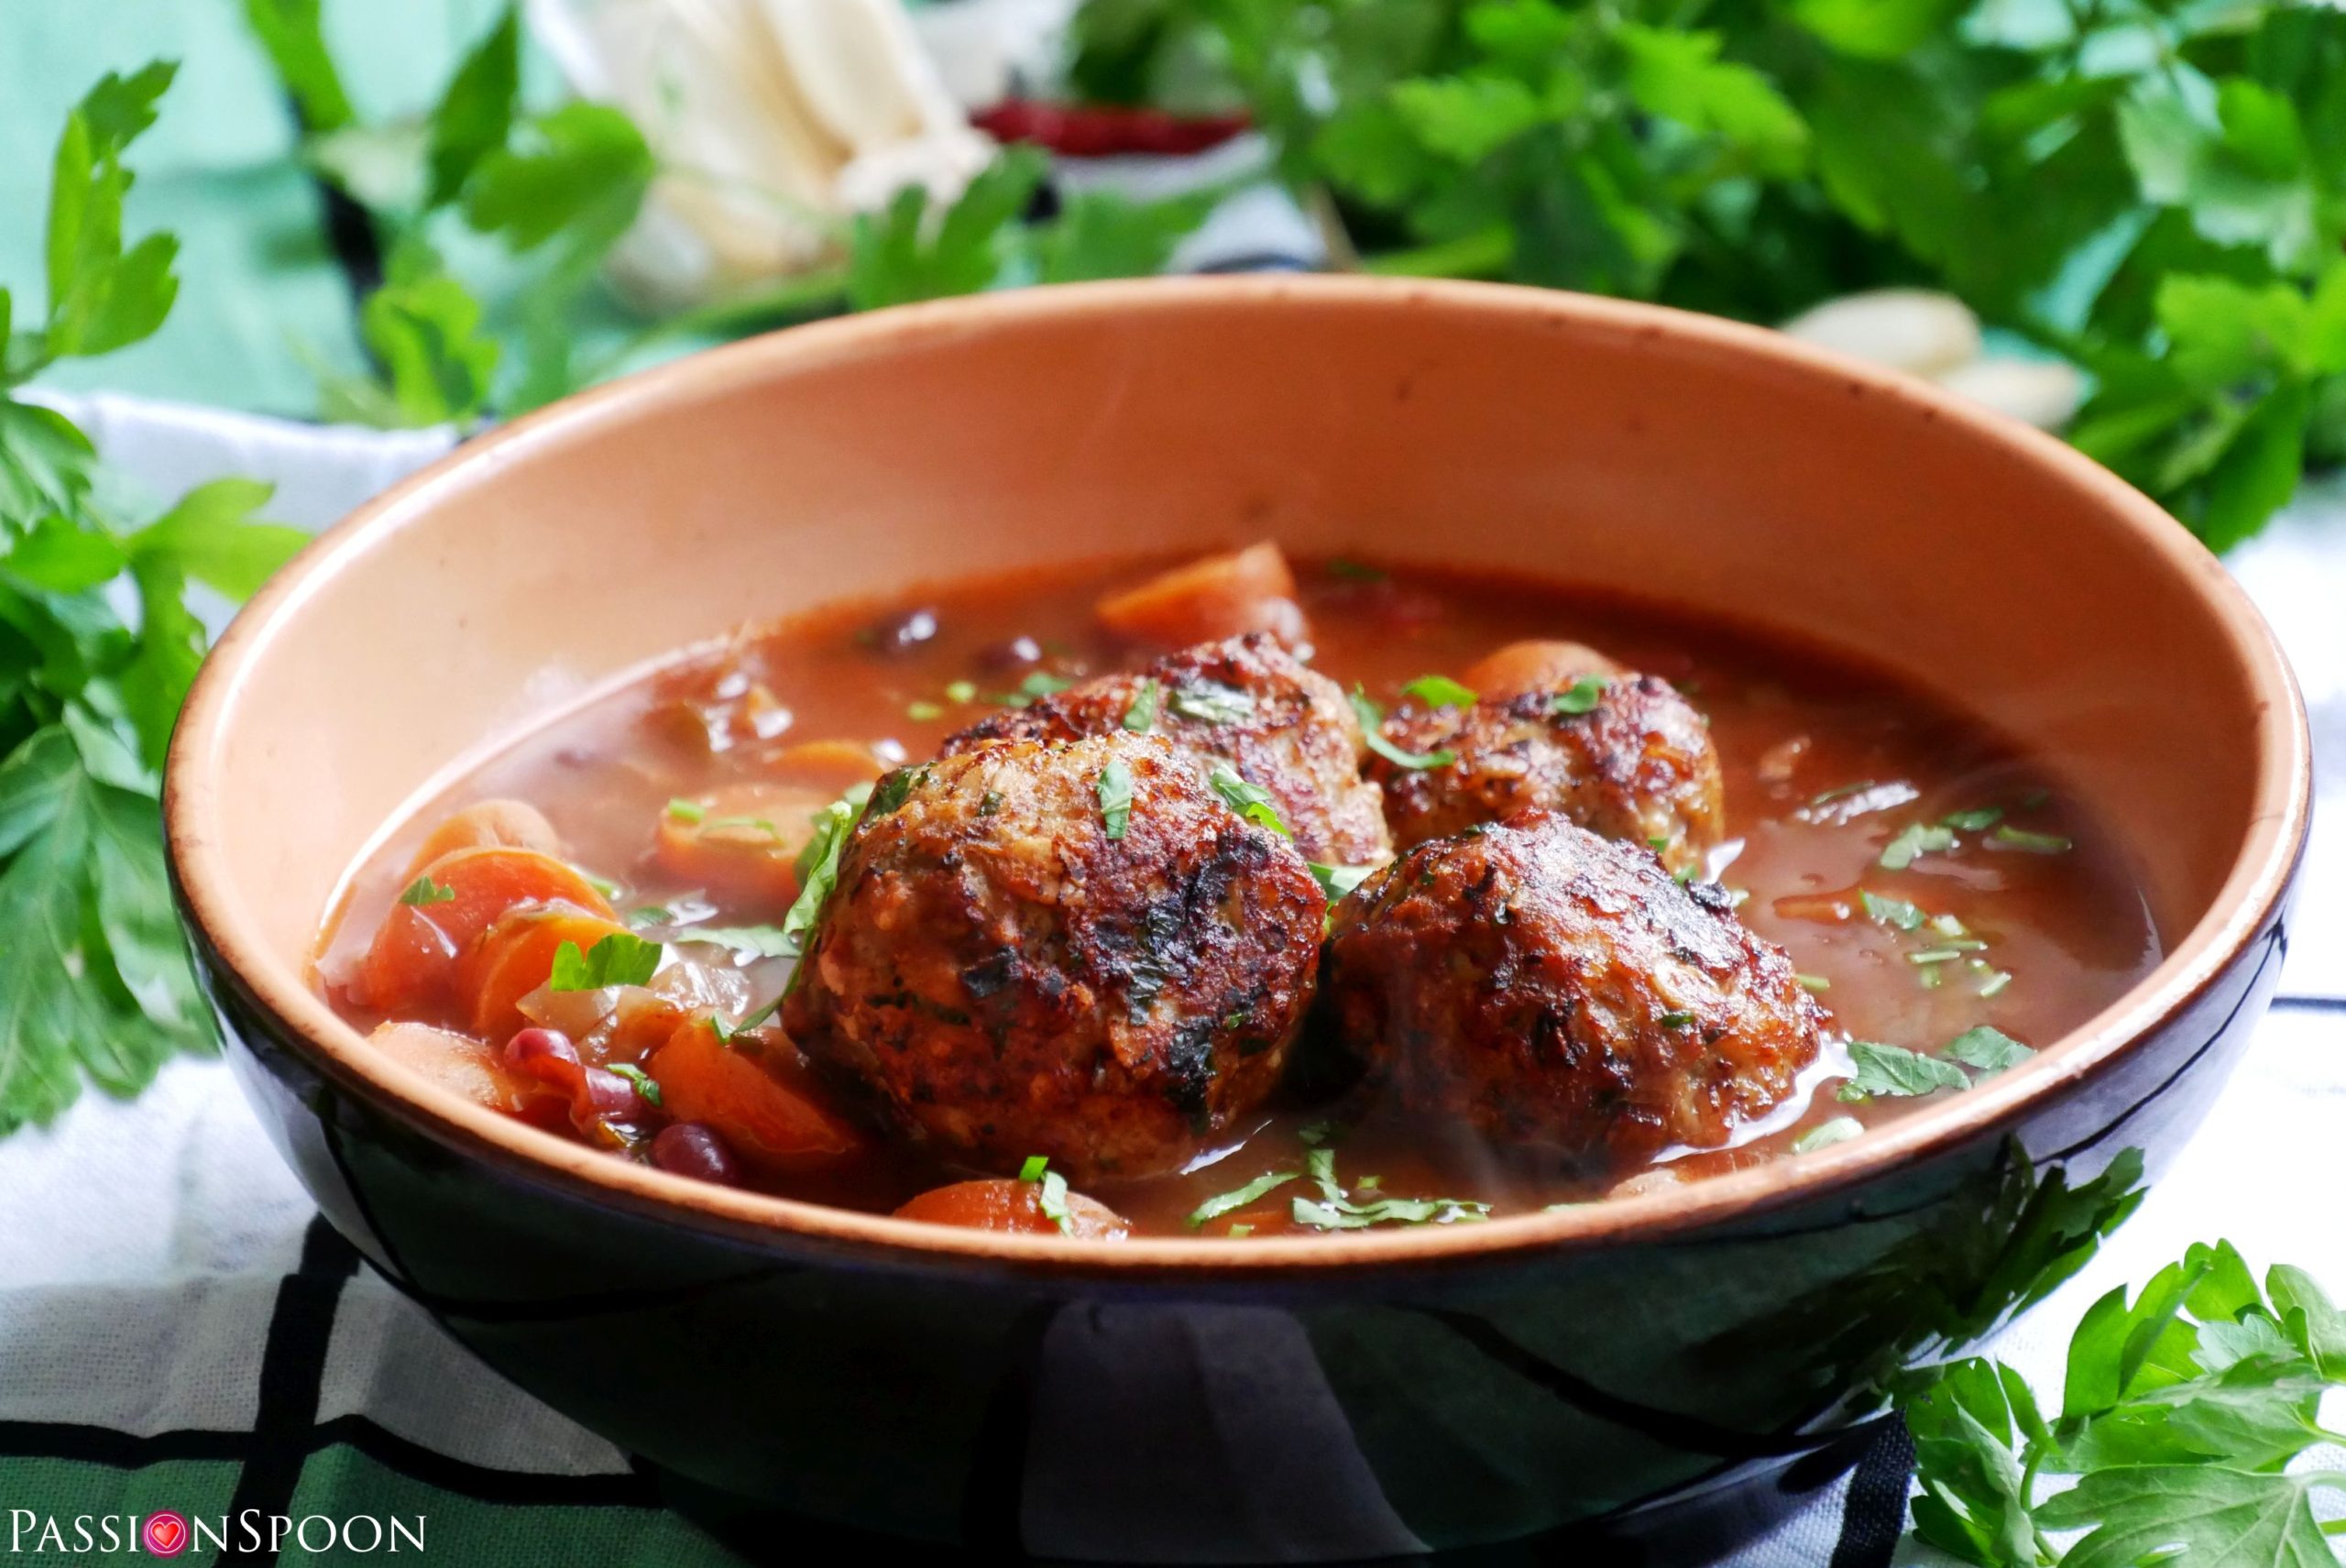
x: 2182, y: 1407
x: 94, y: 982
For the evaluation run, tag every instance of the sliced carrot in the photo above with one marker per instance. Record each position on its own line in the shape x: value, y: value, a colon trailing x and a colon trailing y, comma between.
x: 412, y: 963
x: 757, y: 1092
x: 1538, y: 665
x: 1222, y: 596
x: 1000, y: 1203
x: 489, y: 824
x: 741, y: 841
x: 830, y: 766
x: 459, y: 1063
x: 515, y: 956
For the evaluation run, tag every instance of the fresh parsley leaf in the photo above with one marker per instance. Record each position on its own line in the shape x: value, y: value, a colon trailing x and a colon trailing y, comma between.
x: 1338, y: 881
x: 1115, y: 792
x: 1892, y: 912
x: 1440, y: 691
x: 1141, y: 716
x: 2010, y: 838
x: 292, y: 34
x: 1239, y: 1198
x: 475, y: 113
x: 621, y: 959
x: 102, y: 296
x: 818, y: 863
x: 423, y: 891
x: 647, y: 1088
x: 726, y: 1032
x: 1824, y: 1135
x: 691, y: 812
x: 1915, y: 839
x: 904, y: 253
x: 1973, y: 821
x: 1372, y: 722
x: 1251, y: 801
x: 1581, y: 697
x: 1897, y: 1072
x: 1210, y: 703
x: 1989, y: 1049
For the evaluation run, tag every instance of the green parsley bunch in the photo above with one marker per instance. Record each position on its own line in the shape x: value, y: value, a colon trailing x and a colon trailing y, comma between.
x: 2155, y: 190
x: 95, y: 978
x: 2181, y: 1414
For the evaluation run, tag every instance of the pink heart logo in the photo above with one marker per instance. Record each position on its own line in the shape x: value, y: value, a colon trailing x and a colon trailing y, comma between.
x: 165, y: 1534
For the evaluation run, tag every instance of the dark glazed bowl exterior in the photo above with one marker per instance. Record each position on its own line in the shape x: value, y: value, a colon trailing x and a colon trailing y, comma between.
x: 1652, y: 1370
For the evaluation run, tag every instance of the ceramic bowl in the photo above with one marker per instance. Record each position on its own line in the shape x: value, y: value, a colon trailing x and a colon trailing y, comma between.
x: 1648, y: 1368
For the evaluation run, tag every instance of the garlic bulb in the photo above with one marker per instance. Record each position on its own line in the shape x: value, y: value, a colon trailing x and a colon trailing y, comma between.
x: 1936, y: 337
x: 773, y: 121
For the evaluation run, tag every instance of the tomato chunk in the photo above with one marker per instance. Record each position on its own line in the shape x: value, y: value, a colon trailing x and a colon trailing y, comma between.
x: 459, y: 1063
x: 490, y: 825
x: 412, y: 964
x: 1538, y: 665
x: 1000, y: 1203
x: 757, y: 1092
x: 1204, y: 602
x: 742, y: 842
x: 515, y: 956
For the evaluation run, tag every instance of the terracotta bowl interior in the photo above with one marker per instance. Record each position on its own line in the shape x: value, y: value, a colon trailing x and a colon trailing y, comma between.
x: 1713, y: 467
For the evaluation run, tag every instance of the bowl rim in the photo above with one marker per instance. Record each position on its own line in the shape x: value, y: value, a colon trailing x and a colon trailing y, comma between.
x: 2249, y: 898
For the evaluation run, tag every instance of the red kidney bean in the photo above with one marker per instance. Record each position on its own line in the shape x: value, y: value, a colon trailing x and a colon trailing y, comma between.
x: 693, y: 1148
x: 547, y: 1055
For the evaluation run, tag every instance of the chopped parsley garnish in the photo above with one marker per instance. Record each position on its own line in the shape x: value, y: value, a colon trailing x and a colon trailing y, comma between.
x: 1221, y: 1203
x: 1579, y: 697
x: 961, y: 691
x: 1895, y: 911
x: 1440, y: 691
x: 621, y: 959
x: 1355, y: 571
x: 1052, y: 1198
x: 818, y: 863
x: 763, y: 941
x: 1975, y: 821
x: 1915, y: 839
x: 1338, y: 881
x: 1141, y: 716
x: 1897, y: 1072
x: 1824, y: 1135
x: 1812, y: 983
x: 1038, y: 684
x: 1210, y: 703
x: 1839, y: 792
x: 1372, y: 722
x: 1989, y: 1049
x: 2021, y: 838
x: 1237, y: 1231
x: 646, y: 1086
x: 1335, y: 1210
x: 423, y: 891
x: 602, y: 884
x: 1115, y: 790
x: 1251, y: 801
x: 921, y: 712
x: 645, y: 915
x: 688, y: 810
x: 1676, y: 1020
x: 725, y: 1031
x: 892, y: 792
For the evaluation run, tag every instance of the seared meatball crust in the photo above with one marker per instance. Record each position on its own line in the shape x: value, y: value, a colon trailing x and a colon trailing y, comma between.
x: 1560, y: 992
x: 1247, y: 702
x: 1008, y: 980
x: 1637, y: 765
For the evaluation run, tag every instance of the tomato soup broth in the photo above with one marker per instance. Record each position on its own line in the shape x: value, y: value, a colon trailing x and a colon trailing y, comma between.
x: 1936, y: 893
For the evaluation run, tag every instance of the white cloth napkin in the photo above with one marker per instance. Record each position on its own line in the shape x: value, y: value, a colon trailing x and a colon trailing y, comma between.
x: 142, y: 1243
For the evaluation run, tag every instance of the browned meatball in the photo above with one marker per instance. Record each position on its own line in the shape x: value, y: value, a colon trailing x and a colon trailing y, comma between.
x: 1248, y: 703
x: 1559, y: 991
x: 1634, y: 763
x: 1015, y: 963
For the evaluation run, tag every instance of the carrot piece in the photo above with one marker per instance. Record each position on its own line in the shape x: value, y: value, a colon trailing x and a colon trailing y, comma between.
x: 515, y: 956
x: 1000, y: 1203
x: 489, y: 824
x: 1538, y: 665
x: 459, y: 1063
x: 757, y: 1091
x: 828, y: 765
x: 1221, y: 595
x: 741, y: 841
x: 412, y: 963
